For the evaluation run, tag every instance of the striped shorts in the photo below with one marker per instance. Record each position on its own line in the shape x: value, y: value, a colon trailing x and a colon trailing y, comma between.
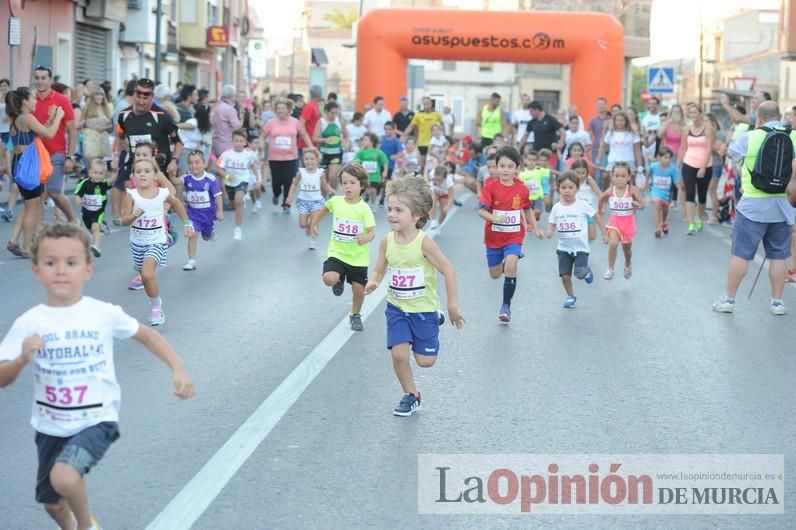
x: 157, y: 252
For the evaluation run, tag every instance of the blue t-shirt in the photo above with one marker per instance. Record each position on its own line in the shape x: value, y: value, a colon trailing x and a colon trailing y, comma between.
x: 661, y: 180
x: 391, y: 147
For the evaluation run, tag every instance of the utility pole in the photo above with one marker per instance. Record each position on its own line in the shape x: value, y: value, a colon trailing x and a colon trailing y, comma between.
x: 158, y: 16
x: 701, y: 56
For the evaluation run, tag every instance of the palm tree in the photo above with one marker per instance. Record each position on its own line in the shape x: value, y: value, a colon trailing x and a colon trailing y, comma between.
x: 340, y: 19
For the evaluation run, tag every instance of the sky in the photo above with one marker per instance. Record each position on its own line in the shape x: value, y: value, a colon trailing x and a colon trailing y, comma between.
x: 674, y: 24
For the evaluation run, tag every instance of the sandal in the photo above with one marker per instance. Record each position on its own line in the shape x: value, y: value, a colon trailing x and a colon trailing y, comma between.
x: 14, y: 249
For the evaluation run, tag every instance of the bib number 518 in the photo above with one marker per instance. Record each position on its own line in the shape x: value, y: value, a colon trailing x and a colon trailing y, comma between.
x: 348, y: 229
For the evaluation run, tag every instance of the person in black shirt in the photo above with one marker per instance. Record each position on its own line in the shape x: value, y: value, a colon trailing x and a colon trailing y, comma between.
x: 545, y: 128
x: 404, y: 116
x: 92, y: 198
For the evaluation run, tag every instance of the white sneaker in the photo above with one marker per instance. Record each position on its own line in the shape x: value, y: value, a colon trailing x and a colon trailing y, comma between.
x: 237, y: 234
x: 628, y: 272
x: 313, y: 244
x: 725, y: 305
x: 258, y: 205
x: 156, y: 317
x: 609, y: 274
x: 190, y: 266
x: 434, y: 224
x: 777, y: 307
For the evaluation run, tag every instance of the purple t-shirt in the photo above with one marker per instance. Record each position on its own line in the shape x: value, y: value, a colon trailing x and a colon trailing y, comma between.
x: 225, y: 119
x: 597, y: 127
x: 200, y: 195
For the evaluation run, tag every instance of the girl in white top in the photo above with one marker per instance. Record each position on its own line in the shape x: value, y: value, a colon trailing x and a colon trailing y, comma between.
x: 437, y: 149
x: 143, y: 210
x: 588, y: 190
x: 309, y: 187
x: 621, y: 143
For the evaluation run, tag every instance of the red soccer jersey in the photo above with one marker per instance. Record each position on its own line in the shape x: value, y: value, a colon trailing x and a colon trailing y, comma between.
x: 509, y: 202
x: 311, y: 116
x: 56, y: 144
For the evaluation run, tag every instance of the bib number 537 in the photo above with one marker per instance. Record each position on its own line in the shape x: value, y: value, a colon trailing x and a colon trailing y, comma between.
x: 65, y: 395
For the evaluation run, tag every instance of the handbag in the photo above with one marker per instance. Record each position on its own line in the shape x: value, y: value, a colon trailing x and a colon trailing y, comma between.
x: 45, y: 164
x: 27, y: 172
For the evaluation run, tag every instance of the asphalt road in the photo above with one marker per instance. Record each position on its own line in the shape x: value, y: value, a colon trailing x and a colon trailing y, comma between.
x: 640, y: 366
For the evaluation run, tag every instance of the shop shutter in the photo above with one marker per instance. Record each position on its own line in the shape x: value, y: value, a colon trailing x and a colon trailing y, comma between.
x: 92, y: 53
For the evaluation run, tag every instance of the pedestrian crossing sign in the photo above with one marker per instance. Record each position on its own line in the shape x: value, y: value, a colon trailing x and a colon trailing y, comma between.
x: 660, y: 80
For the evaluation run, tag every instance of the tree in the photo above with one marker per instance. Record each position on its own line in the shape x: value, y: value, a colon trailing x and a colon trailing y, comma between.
x: 341, y: 19
x: 638, y: 82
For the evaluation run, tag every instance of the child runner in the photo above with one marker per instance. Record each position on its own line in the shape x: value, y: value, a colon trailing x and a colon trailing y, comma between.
x: 503, y: 204
x: 410, y: 159
x: 441, y: 186
x: 330, y: 137
x: 204, y: 201
x: 663, y: 175
x: 310, y: 181
x: 375, y: 163
x: 588, y: 190
x: 532, y: 176
x: 622, y: 199
x: 411, y: 260
x: 548, y: 181
x: 92, y: 198
x: 236, y: 166
x: 570, y: 217
x: 353, y: 228
x: 76, y: 398
x: 143, y: 209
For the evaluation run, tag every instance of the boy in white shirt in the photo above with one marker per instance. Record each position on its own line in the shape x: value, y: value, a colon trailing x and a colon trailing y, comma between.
x: 76, y: 396
x: 236, y: 166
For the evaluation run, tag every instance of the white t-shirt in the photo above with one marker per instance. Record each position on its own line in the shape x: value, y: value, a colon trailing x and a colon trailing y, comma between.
x: 581, y: 136
x: 355, y: 134
x: 651, y: 122
x: 74, y: 378
x: 149, y: 229
x: 438, y: 146
x: 309, y: 188
x: 572, y: 225
x: 586, y: 194
x: 520, y: 118
x: 621, y: 147
x: 374, y: 121
x: 444, y: 187
x: 448, y: 124
x: 237, y: 164
x: 191, y: 137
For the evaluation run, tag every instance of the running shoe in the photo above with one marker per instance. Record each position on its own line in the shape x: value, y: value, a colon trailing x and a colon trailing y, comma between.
x: 337, y: 289
x: 255, y: 208
x: 258, y: 205
x: 665, y: 228
x: 237, y: 234
x: 725, y: 305
x: 313, y: 244
x: 14, y: 249
x: 777, y: 307
x: 275, y: 200
x: 699, y: 225
x: 628, y: 272
x: 569, y: 303
x: 658, y: 232
x: 589, y: 278
x: 106, y: 229
x: 791, y: 277
x: 190, y: 265
x: 408, y: 404
x: 117, y: 221
x: 95, y: 250
x: 434, y: 225
x: 505, y: 313
x: 7, y: 215
x: 285, y: 209
x: 356, y: 323
x: 609, y: 274
x: 457, y: 203
x: 691, y: 229
x: 156, y: 317
x: 136, y: 284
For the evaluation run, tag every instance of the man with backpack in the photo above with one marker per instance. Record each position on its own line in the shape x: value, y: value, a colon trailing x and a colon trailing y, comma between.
x: 764, y: 212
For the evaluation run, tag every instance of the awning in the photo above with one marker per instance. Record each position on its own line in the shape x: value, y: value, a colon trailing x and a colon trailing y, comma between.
x: 319, y: 57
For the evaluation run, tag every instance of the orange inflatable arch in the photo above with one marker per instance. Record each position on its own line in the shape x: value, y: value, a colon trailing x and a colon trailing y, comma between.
x: 592, y: 43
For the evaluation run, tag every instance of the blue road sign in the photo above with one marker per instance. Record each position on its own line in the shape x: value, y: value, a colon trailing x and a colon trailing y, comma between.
x: 660, y: 80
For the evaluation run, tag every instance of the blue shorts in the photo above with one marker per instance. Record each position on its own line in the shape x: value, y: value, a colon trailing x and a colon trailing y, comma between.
x: 747, y: 234
x: 202, y: 223
x: 305, y: 207
x: 657, y: 194
x: 546, y: 185
x: 421, y: 330
x: 496, y: 256
x: 537, y: 204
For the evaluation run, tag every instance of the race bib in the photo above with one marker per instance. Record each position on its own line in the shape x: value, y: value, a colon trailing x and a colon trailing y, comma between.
x: 511, y: 221
x: 534, y: 186
x: 569, y: 229
x: 370, y: 166
x: 407, y: 284
x: 136, y: 139
x: 346, y: 230
x: 198, y: 199
x: 69, y: 400
x: 663, y: 183
x: 147, y: 228
x: 92, y: 203
x: 621, y: 206
x: 283, y: 142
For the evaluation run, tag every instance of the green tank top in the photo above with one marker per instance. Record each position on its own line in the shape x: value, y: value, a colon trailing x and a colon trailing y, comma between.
x: 411, y: 278
x: 490, y: 122
x: 330, y: 131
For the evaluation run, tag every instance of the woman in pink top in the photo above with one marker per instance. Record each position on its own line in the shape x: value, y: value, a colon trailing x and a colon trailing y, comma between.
x: 695, y: 154
x: 282, y: 134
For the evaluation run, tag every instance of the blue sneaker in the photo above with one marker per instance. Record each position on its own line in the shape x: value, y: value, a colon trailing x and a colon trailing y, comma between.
x: 569, y: 303
x: 505, y: 313
x: 8, y: 215
x: 409, y: 403
x: 589, y: 277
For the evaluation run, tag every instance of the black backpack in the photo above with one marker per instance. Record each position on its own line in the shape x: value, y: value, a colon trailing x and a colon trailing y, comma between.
x: 772, y: 171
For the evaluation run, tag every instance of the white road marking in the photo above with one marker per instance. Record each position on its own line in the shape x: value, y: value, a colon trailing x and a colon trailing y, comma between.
x: 192, y: 501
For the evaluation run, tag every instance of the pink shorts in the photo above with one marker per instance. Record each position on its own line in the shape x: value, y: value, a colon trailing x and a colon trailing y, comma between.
x: 625, y: 225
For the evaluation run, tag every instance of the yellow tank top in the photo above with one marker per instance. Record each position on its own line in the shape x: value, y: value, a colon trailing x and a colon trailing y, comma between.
x: 490, y: 122
x: 411, y: 278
